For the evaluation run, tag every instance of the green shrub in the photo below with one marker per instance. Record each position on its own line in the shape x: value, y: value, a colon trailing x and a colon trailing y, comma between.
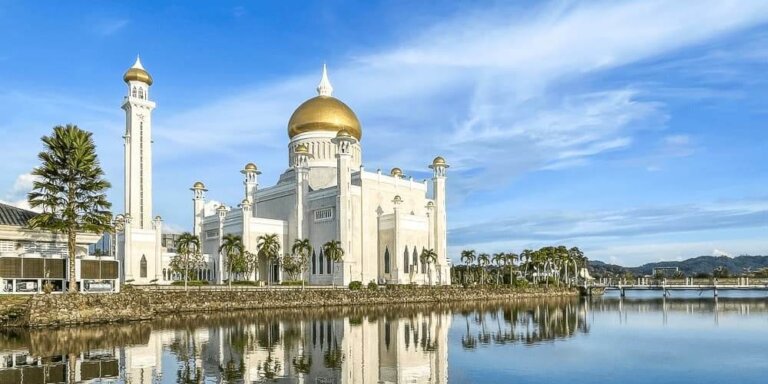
x: 355, y: 285
x: 373, y: 286
x: 246, y: 282
x: 191, y: 283
x: 520, y: 283
x: 291, y: 283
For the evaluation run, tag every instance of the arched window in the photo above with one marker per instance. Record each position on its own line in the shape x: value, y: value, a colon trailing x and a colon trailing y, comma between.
x: 141, y: 93
x: 386, y: 260
x: 405, y: 260
x: 328, y: 265
x: 133, y: 92
x: 416, y: 259
x: 314, y: 263
x: 143, y: 267
x: 165, y: 276
x: 321, y: 261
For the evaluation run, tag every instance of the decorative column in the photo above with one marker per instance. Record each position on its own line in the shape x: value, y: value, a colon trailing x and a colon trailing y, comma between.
x: 301, y: 166
x: 430, y: 238
x: 439, y: 167
x: 157, y: 223
x: 127, y: 261
x: 344, y: 141
x: 400, y: 273
x: 222, y: 211
x: 245, y: 205
x: 198, y: 199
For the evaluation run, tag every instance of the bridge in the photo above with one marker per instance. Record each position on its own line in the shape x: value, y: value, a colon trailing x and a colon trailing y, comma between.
x: 665, y: 286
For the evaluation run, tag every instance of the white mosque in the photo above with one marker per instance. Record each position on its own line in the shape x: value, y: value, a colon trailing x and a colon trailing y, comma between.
x: 382, y: 221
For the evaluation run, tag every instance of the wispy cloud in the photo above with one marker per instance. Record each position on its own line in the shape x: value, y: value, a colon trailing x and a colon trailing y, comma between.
x: 107, y: 27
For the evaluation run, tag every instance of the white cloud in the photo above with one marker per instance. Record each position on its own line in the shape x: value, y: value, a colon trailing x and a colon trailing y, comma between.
x: 717, y: 252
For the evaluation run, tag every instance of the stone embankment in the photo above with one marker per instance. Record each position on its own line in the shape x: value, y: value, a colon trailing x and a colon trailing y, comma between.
x: 134, y: 305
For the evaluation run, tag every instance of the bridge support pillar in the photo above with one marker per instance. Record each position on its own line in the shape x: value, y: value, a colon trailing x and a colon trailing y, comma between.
x: 715, y: 290
x: 621, y: 292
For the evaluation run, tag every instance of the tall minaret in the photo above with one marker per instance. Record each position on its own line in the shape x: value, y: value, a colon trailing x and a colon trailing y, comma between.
x: 138, y: 146
x: 141, y: 236
x: 440, y: 242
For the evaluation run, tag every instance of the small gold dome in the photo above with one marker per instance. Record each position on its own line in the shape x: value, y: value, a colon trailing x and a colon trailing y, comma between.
x: 199, y: 185
x: 301, y: 148
x: 251, y: 167
x: 343, y: 133
x: 439, y: 161
x: 245, y: 202
x: 137, y: 73
x: 397, y: 172
x: 324, y: 113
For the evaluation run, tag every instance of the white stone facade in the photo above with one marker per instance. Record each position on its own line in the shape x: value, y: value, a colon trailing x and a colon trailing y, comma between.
x: 383, y: 221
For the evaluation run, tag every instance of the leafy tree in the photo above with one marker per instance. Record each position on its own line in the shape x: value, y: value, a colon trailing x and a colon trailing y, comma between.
x: 269, y: 248
x: 234, y: 254
x: 333, y: 251
x: 188, y: 255
x: 428, y: 257
x: 70, y: 189
x: 302, y: 248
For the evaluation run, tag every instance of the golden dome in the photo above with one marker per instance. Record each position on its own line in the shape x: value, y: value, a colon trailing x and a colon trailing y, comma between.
x: 199, y: 185
x: 439, y: 161
x: 324, y: 113
x: 137, y: 73
x: 397, y: 172
x: 250, y: 167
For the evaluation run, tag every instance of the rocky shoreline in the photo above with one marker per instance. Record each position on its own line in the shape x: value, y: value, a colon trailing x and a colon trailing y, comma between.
x: 136, y: 305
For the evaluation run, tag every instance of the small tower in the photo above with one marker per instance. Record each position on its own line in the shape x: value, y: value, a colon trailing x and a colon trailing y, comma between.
x: 198, y: 199
x: 251, y: 182
x: 439, y: 167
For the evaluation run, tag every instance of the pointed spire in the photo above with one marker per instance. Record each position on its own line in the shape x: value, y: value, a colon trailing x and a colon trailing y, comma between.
x: 325, y: 88
x: 137, y: 64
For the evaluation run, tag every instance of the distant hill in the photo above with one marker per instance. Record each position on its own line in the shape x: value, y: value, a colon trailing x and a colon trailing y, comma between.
x: 691, y: 267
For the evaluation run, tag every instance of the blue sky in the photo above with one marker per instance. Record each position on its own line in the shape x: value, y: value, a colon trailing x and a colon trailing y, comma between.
x: 635, y: 130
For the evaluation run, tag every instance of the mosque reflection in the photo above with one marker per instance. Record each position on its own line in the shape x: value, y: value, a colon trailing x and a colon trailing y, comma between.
x: 388, y: 344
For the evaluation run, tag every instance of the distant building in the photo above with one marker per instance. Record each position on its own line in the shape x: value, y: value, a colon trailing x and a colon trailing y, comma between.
x: 31, y: 257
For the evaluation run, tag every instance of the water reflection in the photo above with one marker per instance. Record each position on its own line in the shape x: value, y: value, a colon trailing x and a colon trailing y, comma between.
x: 388, y: 344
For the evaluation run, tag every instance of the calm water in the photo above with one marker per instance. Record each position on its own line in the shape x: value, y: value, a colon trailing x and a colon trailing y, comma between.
x: 640, y: 339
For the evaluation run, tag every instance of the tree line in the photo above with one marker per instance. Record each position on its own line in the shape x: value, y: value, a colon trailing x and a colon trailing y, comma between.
x: 551, y: 264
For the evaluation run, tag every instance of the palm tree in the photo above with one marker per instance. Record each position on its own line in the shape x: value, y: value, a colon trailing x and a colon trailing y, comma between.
x: 525, y: 256
x: 302, y: 248
x: 234, y: 251
x: 483, y: 260
x: 577, y: 256
x: 511, y: 259
x: 500, y: 259
x: 70, y: 189
x: 428, y: 256
x: 187, y: 248
x: 467, y: 257
x: 269, y: 248
x: 333, y: 251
